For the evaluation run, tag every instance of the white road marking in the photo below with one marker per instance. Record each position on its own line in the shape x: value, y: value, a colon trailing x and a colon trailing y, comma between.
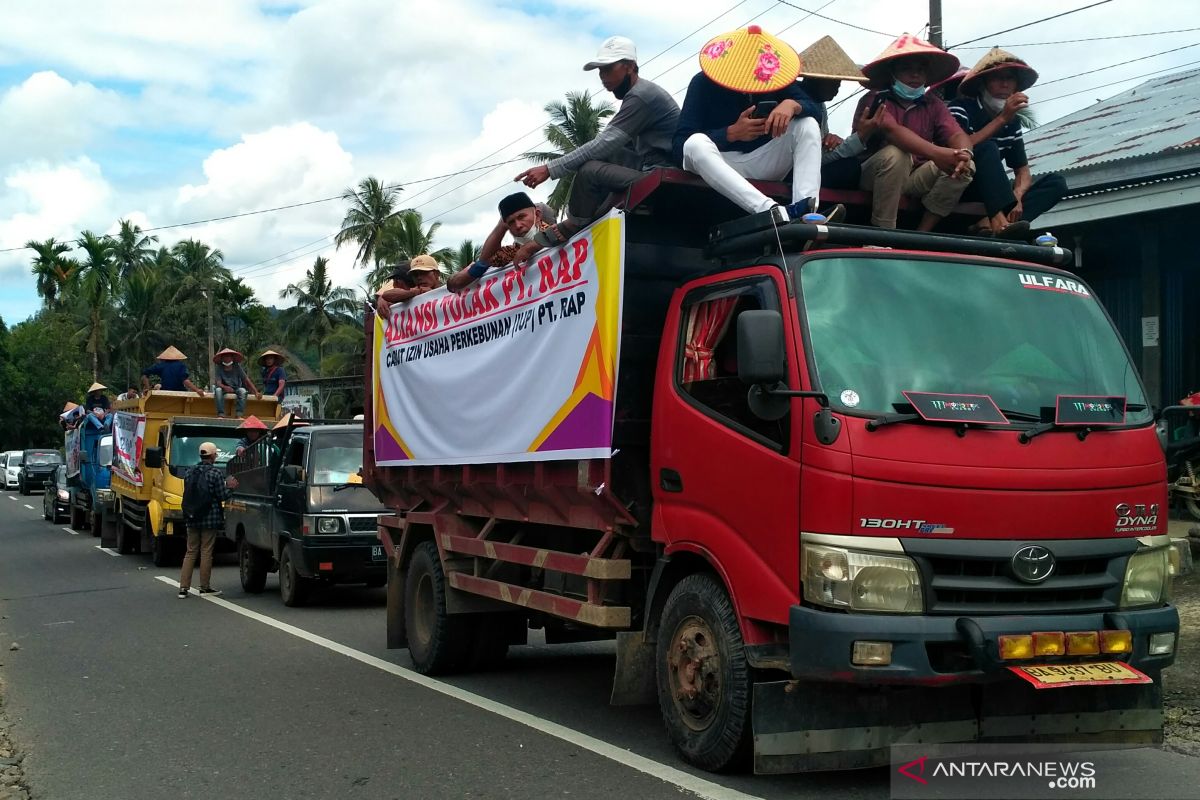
x: 677, y: 777
x: 107, y: 551
x: 12, y: 497
x: 29, y: 506
x: 73, y: 533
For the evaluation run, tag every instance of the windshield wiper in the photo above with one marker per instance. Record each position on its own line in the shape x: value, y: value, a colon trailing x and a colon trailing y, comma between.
x: 888, y: 419
x: 341, y: 486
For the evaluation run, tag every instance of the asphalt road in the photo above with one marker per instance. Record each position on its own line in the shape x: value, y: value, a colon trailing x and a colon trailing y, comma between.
x: 120, y: 690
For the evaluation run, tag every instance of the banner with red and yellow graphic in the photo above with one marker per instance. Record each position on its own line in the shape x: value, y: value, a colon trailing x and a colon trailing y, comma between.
x: 521, y: 366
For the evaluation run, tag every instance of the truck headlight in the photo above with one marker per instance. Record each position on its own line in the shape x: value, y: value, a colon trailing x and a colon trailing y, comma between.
x: 1145, y: 578
x: 104, y: 495
x: 861, y: 581
x: 329, y: 525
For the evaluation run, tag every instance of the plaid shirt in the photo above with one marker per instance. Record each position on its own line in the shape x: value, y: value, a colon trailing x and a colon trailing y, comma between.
x: 215, y: 518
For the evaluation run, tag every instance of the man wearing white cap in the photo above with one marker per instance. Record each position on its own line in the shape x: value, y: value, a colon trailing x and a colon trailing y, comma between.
x: 636, y: 139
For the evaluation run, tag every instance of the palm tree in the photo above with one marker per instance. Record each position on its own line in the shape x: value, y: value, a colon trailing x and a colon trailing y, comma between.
x: 371, y: 206
x: 200, y: 269
x: 138, y: 324
x: 131, y: 250
x: 320, y: 307
x: 573, y: 124
x: 466, y: 255
x: 52, y: 269
x: 347, y: 351
x: 99, y: 279
x: 404, y: 237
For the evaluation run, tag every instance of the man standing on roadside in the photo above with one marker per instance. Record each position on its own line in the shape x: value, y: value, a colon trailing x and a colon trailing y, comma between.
x: 637, y: 139
x: 203, y: 493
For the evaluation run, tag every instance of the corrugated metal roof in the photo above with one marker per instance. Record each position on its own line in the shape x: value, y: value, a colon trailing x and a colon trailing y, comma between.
x: 1161, y: 116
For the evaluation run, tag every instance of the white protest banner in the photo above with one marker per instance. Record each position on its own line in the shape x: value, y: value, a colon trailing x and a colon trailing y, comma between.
x: 522, y: 366
x: 71, y: 448
x: 128, y: 431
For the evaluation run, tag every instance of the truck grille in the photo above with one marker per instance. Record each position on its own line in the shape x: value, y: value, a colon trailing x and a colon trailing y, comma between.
x: 364, y: 524
x: 976, y: 577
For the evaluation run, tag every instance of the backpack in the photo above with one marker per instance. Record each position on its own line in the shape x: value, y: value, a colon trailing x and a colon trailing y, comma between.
x: 197, y: 496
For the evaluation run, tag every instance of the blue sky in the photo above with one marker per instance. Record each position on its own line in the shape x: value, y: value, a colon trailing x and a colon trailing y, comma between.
x: 175, y: 112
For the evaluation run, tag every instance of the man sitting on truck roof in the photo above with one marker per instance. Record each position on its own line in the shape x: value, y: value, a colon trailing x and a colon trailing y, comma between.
x: 990, y: 97
x: 232, y: 379
x: 520, y: 217
x: 637, y: 139
x: 273, y: 375
x: 172, y: 373
x: 96, y: 398
x: 422, y: 275
x: 926, y: 154
x: 746, y: 120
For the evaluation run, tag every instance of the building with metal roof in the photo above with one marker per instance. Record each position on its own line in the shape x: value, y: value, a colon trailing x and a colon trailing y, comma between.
x: 1132, y: 166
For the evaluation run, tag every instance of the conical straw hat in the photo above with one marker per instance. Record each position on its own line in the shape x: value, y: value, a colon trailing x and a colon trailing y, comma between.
x: 228, y: 351
x: 254, y: 423
x: 70, y: 406
x: 171, y: 354
x: 96, y: 386
x: 280, y: 356
x: 748, y: 60
x: 941, y: 63
x: 826, y: 59
x: 284, y: 421
x: 997, y: 59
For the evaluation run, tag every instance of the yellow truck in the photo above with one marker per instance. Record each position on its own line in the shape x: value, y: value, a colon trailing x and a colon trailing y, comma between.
x: 156, y: 440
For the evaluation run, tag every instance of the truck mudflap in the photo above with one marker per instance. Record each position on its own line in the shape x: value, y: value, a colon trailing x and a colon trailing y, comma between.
x: 804, y: 727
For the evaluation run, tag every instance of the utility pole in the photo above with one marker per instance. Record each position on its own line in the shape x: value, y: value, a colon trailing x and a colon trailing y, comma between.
x: 935, y: 23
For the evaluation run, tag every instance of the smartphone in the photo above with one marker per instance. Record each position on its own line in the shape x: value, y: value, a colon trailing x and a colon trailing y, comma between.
x: 875, y: 104
x: 763, y: 110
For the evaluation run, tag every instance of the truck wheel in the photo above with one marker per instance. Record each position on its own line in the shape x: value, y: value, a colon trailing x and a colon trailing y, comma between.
x: 703, y: 677
x: 438, y: 642
x: 293, y: 587
x: 252, y: 567
x: 1193, y: 508
x: 109, y: 530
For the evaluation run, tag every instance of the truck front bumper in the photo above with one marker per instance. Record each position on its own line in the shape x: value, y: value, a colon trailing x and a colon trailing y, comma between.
x: 945, y: 684
x: 338, y: 561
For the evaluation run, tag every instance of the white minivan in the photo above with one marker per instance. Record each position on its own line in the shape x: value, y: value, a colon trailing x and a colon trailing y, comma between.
x: 11, y: 463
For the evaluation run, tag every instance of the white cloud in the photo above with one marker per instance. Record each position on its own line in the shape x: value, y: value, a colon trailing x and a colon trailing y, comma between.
x: 59, y: 118
x: 57, y: 200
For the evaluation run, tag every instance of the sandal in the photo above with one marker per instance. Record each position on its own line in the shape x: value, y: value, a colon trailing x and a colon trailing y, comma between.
x: 556, y: 235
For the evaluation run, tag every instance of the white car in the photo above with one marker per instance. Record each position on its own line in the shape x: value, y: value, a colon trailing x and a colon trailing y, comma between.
x: 11, y: 462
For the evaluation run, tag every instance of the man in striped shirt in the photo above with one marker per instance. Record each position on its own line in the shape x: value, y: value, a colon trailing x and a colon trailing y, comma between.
x: 990, y: 98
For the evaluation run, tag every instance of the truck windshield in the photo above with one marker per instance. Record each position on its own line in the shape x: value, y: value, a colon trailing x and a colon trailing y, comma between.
x: 104, y: 451
x: 882, y: 326
x: 336, y: 459
x: 185, y: 448
x: 43, y: 459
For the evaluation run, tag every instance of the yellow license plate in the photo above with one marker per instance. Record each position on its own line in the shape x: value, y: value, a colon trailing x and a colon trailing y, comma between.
x: 1053, y: 676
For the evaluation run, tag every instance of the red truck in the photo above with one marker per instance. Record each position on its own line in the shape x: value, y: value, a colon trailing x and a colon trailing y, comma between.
x: 867, y: 487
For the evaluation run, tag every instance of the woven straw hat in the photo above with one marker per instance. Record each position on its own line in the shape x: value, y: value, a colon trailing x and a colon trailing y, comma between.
x: 279, y: 357
x: 171, y: 354
x: 97, y: 386
x: 941, y: 63
x: 228, y: 352
x: 253, y: 423
x: 995, y: 60
x: 826, y: 59
x: 69, y: 406
x: 749, y: 61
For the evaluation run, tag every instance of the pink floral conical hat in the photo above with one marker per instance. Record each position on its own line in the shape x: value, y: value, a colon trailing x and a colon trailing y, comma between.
x: 749, y: 61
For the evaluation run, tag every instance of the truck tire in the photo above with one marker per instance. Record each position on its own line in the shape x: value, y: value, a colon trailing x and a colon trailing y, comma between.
x: 294, y: 588
x: 252, y: 567
x: 438, y: 642
x: 109, y: 530
x: 78, y: 517
x: 164, y: 552
x: 704, y: 686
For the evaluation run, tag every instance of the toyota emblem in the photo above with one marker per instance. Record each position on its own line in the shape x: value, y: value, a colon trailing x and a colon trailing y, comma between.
x: 1033, y: 564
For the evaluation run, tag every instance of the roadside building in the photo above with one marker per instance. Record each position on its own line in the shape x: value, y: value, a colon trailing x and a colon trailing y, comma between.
x: 1132, y: 166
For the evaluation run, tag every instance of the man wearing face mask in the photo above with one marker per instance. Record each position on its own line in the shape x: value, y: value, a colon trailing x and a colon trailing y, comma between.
x: 990, y: 97
x: 521, y: 218
x: 232, y: 379
x: 925, y: 154
x: 636, y: 139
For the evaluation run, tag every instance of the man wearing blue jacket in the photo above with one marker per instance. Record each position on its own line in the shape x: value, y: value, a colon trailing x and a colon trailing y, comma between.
x: 720, y: 140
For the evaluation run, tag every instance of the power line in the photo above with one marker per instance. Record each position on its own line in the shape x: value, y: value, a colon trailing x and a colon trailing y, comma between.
x: 1122, y: 80
x: 1027, y: 24
x: 843, y: 22
x: 1121, y: 64
x: 1074, y: 41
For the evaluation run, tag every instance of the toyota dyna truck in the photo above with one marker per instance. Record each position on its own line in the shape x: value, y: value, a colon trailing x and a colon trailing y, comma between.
x: 156, y: 441
x: 864, y: 488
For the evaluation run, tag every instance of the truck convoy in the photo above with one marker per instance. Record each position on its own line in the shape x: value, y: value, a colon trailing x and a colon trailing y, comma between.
x: 863, y: 487
x: 157, y: 439
x: 301, y: 509
x: 88, y: 448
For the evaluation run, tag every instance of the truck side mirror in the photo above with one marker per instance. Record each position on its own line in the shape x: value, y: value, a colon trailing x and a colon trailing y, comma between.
x: 760, y: 351
x: 292, y: 473
x: 153, y: 457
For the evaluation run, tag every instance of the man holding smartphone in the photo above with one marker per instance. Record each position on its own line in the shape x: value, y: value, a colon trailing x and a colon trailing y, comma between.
x: 757, y: 124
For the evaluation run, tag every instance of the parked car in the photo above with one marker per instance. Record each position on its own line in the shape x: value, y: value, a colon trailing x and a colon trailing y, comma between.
x: 36, y: 468
x: 56, y: 499
x: 11, y: 463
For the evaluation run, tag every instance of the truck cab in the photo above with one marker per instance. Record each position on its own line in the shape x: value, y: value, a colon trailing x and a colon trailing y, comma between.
x: 301, y: 510
x: 89, y: 448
